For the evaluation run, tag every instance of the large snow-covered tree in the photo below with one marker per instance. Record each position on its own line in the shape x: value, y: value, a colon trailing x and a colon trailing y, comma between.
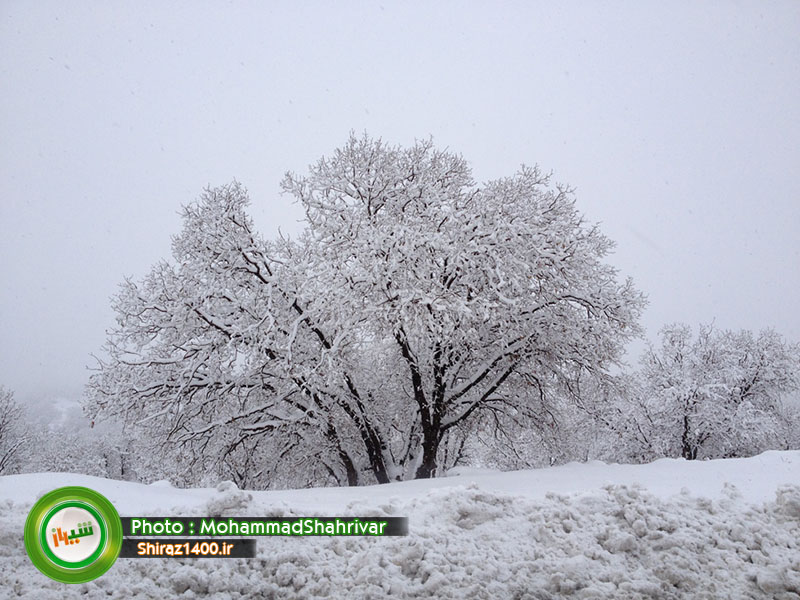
x: 415, y: 307
x: 717, y: 394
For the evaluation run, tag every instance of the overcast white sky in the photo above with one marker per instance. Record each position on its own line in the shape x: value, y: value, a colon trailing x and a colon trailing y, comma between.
x: 677, y: 122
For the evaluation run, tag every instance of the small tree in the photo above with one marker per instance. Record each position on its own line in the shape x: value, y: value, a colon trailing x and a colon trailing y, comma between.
x: 14, y: 434
x: 717, y: 395
x: 71, y: 444
x: 415, y: 305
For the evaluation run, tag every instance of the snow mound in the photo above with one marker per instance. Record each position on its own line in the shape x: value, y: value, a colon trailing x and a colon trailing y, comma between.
x: 468, y: 541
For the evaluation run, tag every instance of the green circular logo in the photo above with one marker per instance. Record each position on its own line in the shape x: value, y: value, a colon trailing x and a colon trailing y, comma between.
x: 73, y: 534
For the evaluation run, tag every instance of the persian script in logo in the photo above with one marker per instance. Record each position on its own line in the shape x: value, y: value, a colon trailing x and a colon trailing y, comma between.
x: 73, y: 534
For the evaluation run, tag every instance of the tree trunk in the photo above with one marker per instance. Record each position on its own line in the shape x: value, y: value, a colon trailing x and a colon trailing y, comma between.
x: 688, y: 450
x: 352, y: 474
x: 344, y: 457
x: 430, y: 448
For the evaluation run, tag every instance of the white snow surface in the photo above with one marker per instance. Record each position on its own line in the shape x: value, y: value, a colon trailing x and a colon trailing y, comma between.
x: 669, y: 529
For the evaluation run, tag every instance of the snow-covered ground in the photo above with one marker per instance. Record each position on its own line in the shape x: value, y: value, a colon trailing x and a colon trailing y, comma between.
x: 670, y: 529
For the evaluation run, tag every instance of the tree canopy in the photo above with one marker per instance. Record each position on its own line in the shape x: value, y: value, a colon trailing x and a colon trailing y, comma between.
x: 415, y: 307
